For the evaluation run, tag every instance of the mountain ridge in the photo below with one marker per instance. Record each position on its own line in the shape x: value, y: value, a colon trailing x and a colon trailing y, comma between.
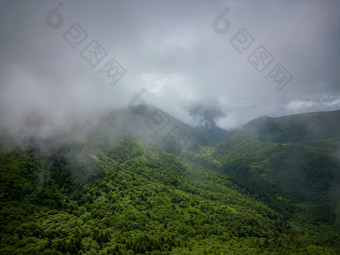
x: 309, y: 126
x: 103, y: 190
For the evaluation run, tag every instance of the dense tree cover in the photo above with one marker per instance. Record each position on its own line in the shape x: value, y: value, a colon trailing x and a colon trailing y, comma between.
x: 130, y: 198
x: 287, y: 171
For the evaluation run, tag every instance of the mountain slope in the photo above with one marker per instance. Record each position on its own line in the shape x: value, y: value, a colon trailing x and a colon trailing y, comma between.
x: 157, y: 127
x: 290, y: 162
x: 135, y: 199
x: 100, y: 191
x: 304, y: 127
x: 139, y: 199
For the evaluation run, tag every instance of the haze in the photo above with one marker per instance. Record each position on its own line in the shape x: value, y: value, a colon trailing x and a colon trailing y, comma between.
x: 171, y: 50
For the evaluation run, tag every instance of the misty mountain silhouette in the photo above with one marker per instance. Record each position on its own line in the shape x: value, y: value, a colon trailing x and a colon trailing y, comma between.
x: 297, y: 128
x: 296, y: 157
x: 155, y: 126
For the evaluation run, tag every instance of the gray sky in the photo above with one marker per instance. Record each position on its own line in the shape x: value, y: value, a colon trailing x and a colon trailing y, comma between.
x: 171, y: 49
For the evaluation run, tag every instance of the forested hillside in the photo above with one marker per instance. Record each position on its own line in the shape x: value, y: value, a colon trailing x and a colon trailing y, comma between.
x: 109, y: 193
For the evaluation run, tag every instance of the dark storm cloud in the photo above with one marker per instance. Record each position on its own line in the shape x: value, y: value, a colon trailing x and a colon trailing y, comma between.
x: 171, y: 49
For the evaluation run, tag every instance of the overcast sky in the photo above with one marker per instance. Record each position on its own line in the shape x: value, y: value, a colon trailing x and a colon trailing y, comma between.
x: 172, y: 49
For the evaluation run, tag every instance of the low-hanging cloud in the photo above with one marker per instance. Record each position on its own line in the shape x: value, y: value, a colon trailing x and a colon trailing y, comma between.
x: 171, y: 49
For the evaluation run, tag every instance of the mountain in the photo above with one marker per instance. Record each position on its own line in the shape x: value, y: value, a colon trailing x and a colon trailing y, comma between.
x: 157, y: 127
x: 293, y: 159
x: 304, y: 127
x: 136, y: 199
x: 109, y: 188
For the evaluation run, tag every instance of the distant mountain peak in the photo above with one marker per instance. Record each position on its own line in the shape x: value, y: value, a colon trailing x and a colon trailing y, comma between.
x: 158, y: 127
x: 206, y: 117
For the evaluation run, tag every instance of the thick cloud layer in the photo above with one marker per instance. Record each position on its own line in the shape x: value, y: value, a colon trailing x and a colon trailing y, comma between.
x: 172, y: 50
